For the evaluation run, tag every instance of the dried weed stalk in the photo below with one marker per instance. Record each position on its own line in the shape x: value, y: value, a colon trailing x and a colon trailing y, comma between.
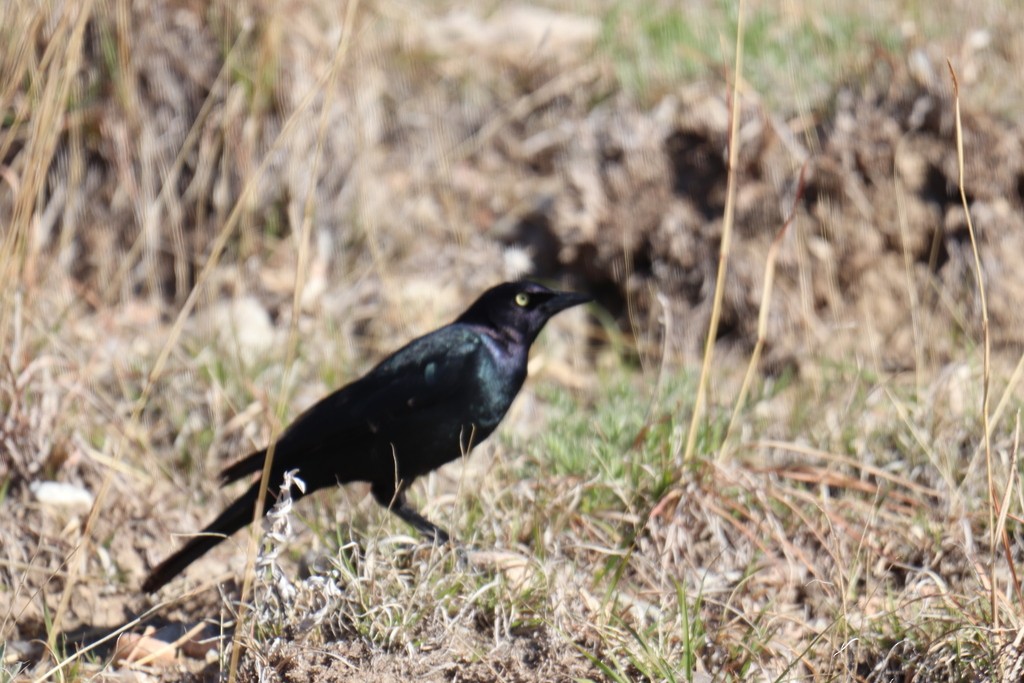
x: 285, y: 610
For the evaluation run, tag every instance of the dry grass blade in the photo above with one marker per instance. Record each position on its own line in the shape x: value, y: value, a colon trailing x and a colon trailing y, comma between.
x: 763, y: 310
x: 1002, y: 405
x: 55, y: 72
x: 986, y: 344
x: 1004, y: 510
x: 847, y: 461
x: 59, y: 65
x: 724, y: 246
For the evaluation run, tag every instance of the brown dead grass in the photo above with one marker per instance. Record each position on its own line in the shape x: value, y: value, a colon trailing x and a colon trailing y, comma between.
x: 846, y: 536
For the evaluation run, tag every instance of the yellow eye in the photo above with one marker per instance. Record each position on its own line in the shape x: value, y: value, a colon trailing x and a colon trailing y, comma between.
x: 522, y: 299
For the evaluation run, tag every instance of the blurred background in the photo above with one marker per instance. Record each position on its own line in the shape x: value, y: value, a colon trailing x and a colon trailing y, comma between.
x: 213, y: 213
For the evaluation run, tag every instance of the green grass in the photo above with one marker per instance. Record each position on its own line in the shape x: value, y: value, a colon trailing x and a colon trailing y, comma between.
x: 628, y: 438
x: 791, y: 61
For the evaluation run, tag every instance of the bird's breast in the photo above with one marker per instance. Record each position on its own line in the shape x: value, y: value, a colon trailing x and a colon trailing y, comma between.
x: 434, y: 432
x: 500, y: 376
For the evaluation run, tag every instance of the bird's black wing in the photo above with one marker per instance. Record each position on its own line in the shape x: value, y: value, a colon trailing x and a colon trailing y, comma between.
x: 425, y: 373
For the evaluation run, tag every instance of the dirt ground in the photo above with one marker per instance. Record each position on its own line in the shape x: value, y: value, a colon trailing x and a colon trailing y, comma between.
x: 440, y: 152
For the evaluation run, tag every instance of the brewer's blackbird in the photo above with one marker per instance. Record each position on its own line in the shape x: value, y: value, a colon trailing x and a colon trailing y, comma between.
x: 427, y: 404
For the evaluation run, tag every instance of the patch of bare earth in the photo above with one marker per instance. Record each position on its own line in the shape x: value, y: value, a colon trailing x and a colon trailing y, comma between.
x: 474, y: 657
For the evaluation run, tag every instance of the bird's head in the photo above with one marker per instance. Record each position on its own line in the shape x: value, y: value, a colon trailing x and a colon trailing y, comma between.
x: 519, y: 309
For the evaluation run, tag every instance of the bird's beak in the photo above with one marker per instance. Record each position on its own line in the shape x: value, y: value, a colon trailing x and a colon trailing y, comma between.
x: 563, y: 300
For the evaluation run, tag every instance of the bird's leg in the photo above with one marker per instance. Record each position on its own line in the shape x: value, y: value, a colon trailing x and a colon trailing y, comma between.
x: 393, y: 498
x: 433, y: 532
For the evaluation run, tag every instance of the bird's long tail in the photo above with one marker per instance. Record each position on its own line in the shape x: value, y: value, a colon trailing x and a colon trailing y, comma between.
x: 247, y: 465
x: 234, y: 517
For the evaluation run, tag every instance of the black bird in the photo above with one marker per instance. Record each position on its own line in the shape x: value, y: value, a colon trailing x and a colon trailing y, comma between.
x: 426, y: 404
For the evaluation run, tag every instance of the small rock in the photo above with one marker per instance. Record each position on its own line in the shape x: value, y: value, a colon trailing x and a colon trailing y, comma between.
x: 243, y: 324
x: 58, y: 494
